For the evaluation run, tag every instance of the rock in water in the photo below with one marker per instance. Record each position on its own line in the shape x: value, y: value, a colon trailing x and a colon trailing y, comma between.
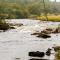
x: 37, y: 54
x: 48, y: 52
x: 47, y: 31
x: 38, y: 59
x: 43, y: 35
x: 37, y: 33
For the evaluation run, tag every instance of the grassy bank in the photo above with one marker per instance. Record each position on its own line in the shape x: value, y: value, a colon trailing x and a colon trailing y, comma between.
x: 24, y: 10
x: 50, y: 18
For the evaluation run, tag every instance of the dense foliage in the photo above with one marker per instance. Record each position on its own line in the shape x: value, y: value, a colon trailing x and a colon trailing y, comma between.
x: 26, y: 8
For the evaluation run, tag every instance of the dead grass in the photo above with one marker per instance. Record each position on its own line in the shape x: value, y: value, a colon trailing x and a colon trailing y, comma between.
x: 50, y: 18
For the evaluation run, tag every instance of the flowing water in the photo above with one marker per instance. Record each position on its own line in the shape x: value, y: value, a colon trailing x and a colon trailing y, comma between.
x: 16, y: 43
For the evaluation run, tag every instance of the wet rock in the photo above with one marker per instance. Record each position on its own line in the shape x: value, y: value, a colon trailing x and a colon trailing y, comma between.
x: 43, y: 35
x: 56, y: 48
x: 37, y: 33
x: 48, y: 52
x: 37, y: 54
x: 12, y: 27
x: 20, y: 24
x: 38, y: 59
x: 47, y: 31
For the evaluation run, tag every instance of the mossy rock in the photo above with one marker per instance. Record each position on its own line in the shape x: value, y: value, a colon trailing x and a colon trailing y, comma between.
x: 43, y: 35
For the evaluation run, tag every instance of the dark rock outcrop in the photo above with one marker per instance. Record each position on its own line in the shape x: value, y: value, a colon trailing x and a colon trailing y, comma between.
x: 38, y: 59
x: 17, y: 58
x: 37, y: 54
x: 12, y: 27
x: 36, y: 33
x: 47, y: 31
x: 43, y: 35
x: 48, y: 52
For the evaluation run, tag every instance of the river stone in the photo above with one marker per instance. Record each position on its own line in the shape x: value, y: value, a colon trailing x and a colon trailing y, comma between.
x: 43, y: 35
x: 38, y: 59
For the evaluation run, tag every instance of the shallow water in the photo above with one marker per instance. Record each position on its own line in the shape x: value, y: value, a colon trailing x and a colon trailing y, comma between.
x: 15, y: 44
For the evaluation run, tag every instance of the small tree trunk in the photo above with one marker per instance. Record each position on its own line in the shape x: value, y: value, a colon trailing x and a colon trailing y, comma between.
x: 45, y: 12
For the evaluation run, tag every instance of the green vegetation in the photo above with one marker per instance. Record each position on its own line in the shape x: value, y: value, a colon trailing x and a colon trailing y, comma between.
x: 16, y: 9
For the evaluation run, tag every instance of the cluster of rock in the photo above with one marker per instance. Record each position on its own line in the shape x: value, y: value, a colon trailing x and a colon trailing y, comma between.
x: 37, y: 59
x: 40, y: 54
x: 6, y: 26
x: 49, y: 30
x: 42, y: 35
x: 45, y: 33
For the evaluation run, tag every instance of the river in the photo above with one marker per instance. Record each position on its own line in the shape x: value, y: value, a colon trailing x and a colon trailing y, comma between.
x: 15, y: 44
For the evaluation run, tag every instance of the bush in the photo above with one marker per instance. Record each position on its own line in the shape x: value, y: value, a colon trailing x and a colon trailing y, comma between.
x: 3, y: 25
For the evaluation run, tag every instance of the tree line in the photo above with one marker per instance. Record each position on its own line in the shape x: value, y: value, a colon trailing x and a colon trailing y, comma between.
x: 27, y: 8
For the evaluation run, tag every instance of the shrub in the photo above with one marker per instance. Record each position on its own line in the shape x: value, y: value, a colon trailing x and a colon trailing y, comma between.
x: 3, y: 25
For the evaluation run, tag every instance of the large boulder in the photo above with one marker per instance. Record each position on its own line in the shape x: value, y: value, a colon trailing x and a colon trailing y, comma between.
x: 37, y: 54
x: 41, y: 35
x: 38, y: 59
x: 49, y: 30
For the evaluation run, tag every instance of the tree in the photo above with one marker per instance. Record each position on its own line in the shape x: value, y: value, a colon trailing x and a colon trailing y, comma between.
x: 45, y: 12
